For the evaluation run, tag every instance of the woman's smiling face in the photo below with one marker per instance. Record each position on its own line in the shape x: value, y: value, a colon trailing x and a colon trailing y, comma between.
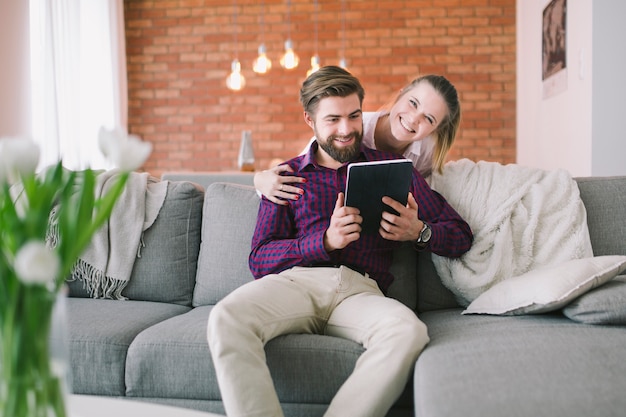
x: 417, y: 113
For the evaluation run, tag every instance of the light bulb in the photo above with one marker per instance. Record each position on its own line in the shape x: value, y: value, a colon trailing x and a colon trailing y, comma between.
x: 343, y: 63
x: 235, y: 80
x: 315, y: 65
x: 262, y: 63
x: 290, y: 60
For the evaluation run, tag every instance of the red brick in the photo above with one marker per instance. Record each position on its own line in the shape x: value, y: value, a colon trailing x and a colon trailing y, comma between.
x: 179, y: 54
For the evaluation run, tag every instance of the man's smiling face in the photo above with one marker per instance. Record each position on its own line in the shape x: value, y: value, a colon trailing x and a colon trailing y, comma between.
x: 338, y: 127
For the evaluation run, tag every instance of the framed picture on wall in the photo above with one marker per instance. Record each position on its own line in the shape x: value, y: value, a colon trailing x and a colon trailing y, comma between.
x: 554, y: 48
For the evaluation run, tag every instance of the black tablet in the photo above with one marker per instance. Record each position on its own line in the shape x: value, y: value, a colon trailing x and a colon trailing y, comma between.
x: 368, y: 182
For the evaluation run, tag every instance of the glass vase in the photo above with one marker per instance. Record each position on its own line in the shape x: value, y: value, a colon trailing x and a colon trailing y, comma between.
x: 245, y: 159
x: 32, y: 374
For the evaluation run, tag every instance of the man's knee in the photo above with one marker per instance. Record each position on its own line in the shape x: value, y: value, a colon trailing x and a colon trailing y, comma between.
x: 410, y: 333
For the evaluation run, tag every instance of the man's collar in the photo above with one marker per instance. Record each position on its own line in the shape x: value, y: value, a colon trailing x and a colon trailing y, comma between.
x: 309, y: 156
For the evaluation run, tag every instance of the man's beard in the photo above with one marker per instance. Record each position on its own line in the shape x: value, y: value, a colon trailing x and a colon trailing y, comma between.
x: 344, y: 154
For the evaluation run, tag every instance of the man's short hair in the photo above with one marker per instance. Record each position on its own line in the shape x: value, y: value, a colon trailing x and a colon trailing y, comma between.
x: 328, y: 81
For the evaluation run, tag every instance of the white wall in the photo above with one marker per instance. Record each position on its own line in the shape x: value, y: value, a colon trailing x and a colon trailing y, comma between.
x: 571, y: 130
x: 14, y: 68
x: 608, y: 154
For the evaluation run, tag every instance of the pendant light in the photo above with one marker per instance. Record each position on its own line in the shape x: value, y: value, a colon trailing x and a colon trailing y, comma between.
x: 342, y: 61
x: 262, y: 63
x: 315, y: 59
x: 235, y: 80
x: 289, y: 60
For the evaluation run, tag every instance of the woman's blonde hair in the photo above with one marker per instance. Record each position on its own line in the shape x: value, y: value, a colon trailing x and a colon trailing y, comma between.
x: 449, y: 126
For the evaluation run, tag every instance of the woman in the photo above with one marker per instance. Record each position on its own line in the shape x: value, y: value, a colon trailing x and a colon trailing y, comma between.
x: 420, y: 125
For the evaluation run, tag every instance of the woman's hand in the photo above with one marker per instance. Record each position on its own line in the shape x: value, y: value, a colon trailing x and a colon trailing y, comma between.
x: 406, y: 226
x: 275, y: 187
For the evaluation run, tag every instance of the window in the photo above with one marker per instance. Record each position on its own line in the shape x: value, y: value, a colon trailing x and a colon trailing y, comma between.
x: 78, y: 75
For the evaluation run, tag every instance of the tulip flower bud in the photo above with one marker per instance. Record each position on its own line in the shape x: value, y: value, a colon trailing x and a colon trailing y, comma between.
x: 35, y: 263
x: 18, y: 159
x: 126, y: 152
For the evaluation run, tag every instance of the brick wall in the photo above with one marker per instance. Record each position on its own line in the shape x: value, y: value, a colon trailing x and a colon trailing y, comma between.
x: 180, y: 51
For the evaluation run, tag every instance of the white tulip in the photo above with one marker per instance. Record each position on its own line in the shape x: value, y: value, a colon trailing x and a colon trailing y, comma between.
x: 35, y: 263
x: 18, y: 159
x: 126, y: 152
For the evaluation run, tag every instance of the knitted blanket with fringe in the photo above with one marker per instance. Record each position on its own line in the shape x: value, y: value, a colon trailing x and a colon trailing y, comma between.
x: 106, y: 265
x: 522, y: 218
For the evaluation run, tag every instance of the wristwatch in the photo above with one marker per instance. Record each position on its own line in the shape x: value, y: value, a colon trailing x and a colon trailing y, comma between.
x: 424, y: 237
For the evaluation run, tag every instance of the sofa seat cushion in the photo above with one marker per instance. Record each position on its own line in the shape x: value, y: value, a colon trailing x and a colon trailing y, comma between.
x: 100, y: 332
x: 491, y: 366
x: 172, y: 360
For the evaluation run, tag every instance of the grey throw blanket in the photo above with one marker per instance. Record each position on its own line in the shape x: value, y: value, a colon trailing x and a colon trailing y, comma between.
x: 106, y: 265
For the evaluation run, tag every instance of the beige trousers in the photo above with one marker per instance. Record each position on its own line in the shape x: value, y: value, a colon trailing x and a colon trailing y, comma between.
x: 332, y: 301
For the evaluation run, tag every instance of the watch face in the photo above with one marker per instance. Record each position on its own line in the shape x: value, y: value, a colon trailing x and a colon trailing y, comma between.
x: 426, y: 234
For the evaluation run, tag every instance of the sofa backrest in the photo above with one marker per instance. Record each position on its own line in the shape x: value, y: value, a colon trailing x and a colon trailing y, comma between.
x: 605, y: 202
x: 229, y: 219
x: 206, y: 178
x: 166, y: 270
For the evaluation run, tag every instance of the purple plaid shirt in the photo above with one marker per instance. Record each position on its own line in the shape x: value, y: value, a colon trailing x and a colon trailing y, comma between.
x: 293, y: 235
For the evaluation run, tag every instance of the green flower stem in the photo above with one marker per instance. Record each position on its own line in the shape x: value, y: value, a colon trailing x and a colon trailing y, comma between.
x: 29, y: 386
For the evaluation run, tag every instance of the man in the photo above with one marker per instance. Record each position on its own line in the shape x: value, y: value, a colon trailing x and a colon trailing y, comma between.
x: 317, y: 274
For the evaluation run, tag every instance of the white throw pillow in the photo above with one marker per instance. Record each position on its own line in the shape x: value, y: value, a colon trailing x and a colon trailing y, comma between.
x: 549, y: 288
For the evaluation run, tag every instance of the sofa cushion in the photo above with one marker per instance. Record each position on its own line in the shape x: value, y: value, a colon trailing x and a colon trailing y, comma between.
x: 494, y: 366
x: 100, y: 332
x: 206, y: 178
x: 172, y: 360
x: 548, y: 288
x: 229, y: 219
x: 404, y: 271
x: 603, y: 305
x: 431, y: 293
x: 605, y: 201
x: 166, y: 270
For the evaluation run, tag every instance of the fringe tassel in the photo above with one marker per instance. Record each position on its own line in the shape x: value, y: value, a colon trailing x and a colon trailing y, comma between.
x: 97, y: 283
x: 142, y: 244
x: 94, y: 281
x: 52, y: 234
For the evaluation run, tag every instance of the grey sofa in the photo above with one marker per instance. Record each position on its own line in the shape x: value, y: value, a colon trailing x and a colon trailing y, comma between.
x: 153, y: 346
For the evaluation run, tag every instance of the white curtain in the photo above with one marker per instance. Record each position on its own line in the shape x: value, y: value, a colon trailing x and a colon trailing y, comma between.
x: 78, y: 61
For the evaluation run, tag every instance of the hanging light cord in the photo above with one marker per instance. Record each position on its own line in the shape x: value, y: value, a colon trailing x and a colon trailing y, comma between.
x: 343, y: 29
x: 235, y: 28
x: 289, y: 19
x: 316, y: 22
x: 262, y: 22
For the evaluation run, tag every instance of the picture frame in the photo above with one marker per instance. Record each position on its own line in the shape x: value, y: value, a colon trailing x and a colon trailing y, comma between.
x: 554, y: 48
